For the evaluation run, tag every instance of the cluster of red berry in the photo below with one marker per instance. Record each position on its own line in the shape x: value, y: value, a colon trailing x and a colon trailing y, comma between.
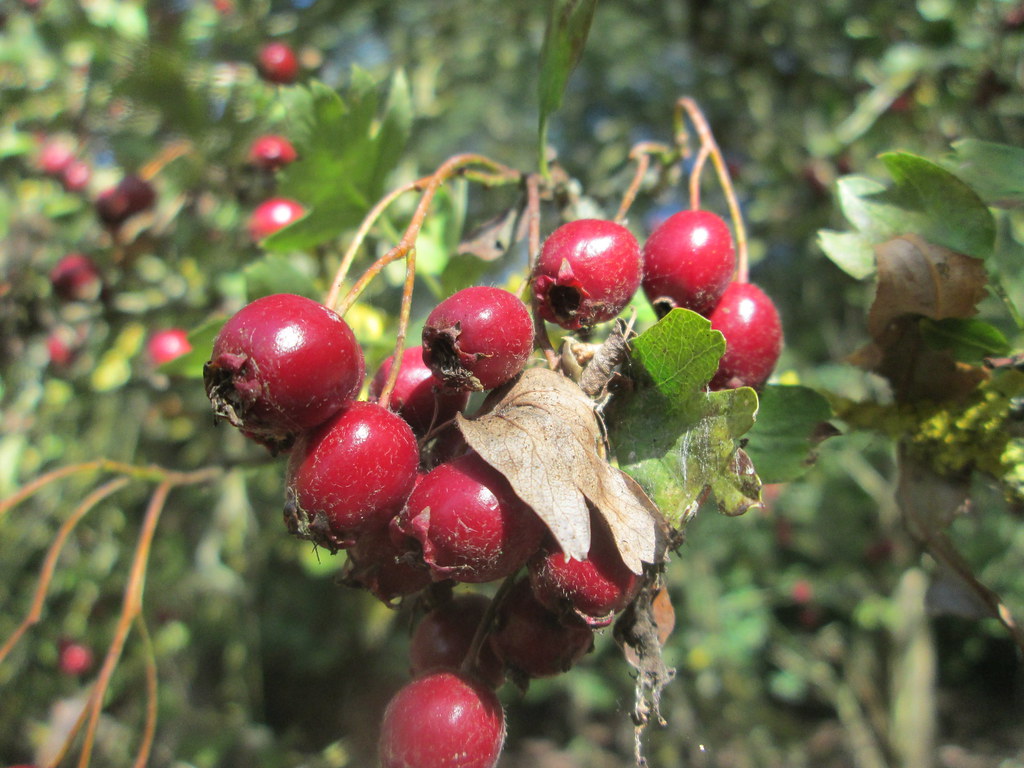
x: 391, y: 481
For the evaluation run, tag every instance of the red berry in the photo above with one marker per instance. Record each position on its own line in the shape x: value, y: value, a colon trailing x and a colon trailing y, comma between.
x: 350, y: 476
x: 62, y: 345
x: 272, y: 215
x: 272, y: 152
x: 75, y: 177
x: 753, y: 337
x: 76, y: 278
x: 386, y: 568
x: 532, y: 641
x: 443, y: 638
x: 478, y: 338
x: 277, y: 63
x: 469, y: 521
x: 688, y: 262
x: 54, y: 156
x: 593, y: 589
x: 282, y: 365
x: 442, y: 720
x: 75, y: 659
x: 418, y: 397
x: 130, y: 196
x: 587, y: 273
x: 168, y: 345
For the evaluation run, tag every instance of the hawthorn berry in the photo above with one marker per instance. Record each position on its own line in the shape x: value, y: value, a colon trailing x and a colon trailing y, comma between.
x: 418, y: 396
x: 748, y: 319
x: 76, y: 278
x: 54, y: 156
x: 271, y: 152
x: 531, y: 640
x: 688, y: 262
x: 272, y: 215
x: 350, y: 476
x: 75, y: 177
x: 75, y: 659
x: 478, y: 338
x: 444, y: 636
x: 470, y: 523
x: 277, y: 63
x: 593, y: 589
x: 388, y: 569
x: 130, y: 196
x: 167, y: 345
x: 587, y: 273
x: 281, y: 365
x: 443, y: 719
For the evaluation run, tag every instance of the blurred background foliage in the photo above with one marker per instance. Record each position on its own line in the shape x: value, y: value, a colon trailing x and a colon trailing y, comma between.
x: 800, y: 639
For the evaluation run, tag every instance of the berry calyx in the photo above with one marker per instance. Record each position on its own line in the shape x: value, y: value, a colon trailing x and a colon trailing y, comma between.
x: 444, y: 719
x: 128, y: 197
x: 418, y: 396
x: 444, y: 636
x: 350, y: 476
x: 76, y: 278
x: 748, y: 319
x: 593, y: 589
x: 168, y: 345
x: 470, y: 523
x: 478, y: 338
x: 689, y: 261
x: 532, y: 641
x: 587, y: 273
x: 386, y: 568
x: 277, y: 63
x: 272, y: 215
x: 271, y: 152
x: 281, y: 365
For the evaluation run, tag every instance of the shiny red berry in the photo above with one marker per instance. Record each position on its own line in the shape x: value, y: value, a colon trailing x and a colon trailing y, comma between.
x: 444, y: 636
x: 130, y: 196
x: 76, y: 278
x: 753, y: 337
x: 442, y: 720
x: 418, y: 396
x: 164, y: 346
x: 470, y: 523
x: 272, y: 152
x: 587, y: 273
x: 593, y: 589
x: 277, y: 63
x: 532, y: 641
x: 350, y: 476
x: 282, y: 365
x: 478, y: 338
x: 688, y: 262
x: 272, y: 215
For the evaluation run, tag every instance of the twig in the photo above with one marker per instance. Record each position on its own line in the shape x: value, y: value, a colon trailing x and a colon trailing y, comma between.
x: 403, y: 326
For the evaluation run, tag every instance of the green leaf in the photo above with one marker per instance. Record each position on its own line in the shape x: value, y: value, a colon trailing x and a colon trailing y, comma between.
x: 274, y: 273
x: 996, y: 171
x: 564, y: 39
x: 849, y: 251
x: 190, y: 366
x: 672, y: 436
x: 790, y: 422
x: 968, y: 339
x: 345, y: 156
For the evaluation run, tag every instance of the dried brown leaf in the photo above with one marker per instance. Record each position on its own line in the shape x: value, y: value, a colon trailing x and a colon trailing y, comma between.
x: 542, y: 433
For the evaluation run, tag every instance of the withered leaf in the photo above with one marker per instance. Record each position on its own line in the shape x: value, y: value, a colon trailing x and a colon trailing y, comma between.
x: 916, y: 277
x: 542, y: 433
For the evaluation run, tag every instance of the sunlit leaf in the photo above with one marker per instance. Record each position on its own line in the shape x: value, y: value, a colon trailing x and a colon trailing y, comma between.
x: 968, y: 339
x: 790, y: 422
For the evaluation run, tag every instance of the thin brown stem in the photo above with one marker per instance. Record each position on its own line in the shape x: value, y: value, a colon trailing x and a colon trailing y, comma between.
x: 707, y: 140
x: 540, y: 333
x: 641, y: 154
x: 472, y: 657
x: 695, y: 174
x: 52, y: 554
x: 167, y: 155
x: 152, y: 682
x: 403, y: 326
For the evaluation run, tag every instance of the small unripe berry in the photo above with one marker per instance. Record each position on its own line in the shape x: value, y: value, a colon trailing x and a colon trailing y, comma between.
x: 168, y: 345
x: 478, y: 338
x: 587, y: 273
x: 418, y: 396
x: 688, y: 262
x: 277, y: 63
x: 272, y: 215
x: 271, y: 152
x: 753, y: 337
x: 281, y: 365
x: 470, y: 523
x: 350, y: 476
x: 442, y: 720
